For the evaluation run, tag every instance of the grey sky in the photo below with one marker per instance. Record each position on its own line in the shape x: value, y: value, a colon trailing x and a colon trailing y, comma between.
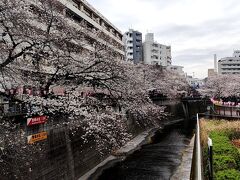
x: 196, y: 29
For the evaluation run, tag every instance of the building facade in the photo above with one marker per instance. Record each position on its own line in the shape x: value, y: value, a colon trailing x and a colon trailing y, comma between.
x: 133, y: 46
x: 95, y: 23
x: 230, y: 65
x: 211, y: 73
x: 194, y: 82
x: 176, y: 69
x: 155, y: 53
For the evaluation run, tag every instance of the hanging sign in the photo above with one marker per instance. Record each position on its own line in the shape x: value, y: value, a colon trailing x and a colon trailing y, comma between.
x: 37, y: 137
x: 36, y: 120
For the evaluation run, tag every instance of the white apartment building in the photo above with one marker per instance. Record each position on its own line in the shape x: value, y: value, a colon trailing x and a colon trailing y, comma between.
x: 83, y: 13
x: 230, y: 65
x: 155, y: 53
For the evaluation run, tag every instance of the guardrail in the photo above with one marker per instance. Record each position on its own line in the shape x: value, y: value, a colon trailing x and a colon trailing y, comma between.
x: 197, y: 170
x: 233, y: 111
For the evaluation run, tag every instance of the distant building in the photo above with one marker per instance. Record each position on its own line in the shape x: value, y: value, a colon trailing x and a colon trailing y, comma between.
x: 176, y: 69
x: 194, y: 82
x: 215, y: 63
x: 155, y: 53
x: 211, y: 72
x: 230, y: 65
x: 133, y: 46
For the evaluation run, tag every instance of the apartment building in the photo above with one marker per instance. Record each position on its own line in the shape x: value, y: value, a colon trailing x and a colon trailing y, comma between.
x: 155, y: 53
x: 83, y: 13
x: 230, y: 65
x: 133, y: 46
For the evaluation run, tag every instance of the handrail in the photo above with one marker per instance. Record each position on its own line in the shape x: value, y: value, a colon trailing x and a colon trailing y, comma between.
x: 198, y: 174
x: 197, y: 170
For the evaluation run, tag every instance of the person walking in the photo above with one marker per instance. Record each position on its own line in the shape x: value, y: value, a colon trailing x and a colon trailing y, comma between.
x: 238, y: 109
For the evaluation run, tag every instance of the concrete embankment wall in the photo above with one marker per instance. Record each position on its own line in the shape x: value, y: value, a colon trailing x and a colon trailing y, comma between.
x: 67, y: 157
x: 63, y: 156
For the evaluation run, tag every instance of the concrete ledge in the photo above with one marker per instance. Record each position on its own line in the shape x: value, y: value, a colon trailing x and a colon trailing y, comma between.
x: 121, y: 154
x: 184, y: 170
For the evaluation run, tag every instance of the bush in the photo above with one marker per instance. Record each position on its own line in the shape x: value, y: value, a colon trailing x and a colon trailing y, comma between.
x: 225, y: 156
x: 230, y: 174
x: 221, y: 162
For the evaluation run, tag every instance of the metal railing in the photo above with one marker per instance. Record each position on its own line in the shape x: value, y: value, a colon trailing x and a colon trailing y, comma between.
x: 197, y: 170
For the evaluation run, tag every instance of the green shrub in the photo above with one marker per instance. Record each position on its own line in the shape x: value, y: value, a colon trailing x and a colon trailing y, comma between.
x: 222, y: 162
x: 225, y: 155
x: 230, y: 174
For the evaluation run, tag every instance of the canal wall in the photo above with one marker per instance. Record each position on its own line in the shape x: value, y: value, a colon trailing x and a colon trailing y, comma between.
x: 120, y: 155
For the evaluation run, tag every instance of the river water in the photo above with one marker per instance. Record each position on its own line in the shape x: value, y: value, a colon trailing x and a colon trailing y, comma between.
x: 156, y: 161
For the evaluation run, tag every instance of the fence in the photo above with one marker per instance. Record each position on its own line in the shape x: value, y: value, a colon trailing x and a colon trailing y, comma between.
x: 232, y: 111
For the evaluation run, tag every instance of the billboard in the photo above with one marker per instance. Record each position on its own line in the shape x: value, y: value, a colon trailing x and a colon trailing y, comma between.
x: 36, y: 120
x: 37, y: 137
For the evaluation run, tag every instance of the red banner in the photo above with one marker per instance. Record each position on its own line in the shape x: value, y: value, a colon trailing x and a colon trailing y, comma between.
x: 36, y: 120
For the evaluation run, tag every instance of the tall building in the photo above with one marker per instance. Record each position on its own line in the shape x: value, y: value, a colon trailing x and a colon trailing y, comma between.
x: 215, y: 63
x: 84, y: 14
x: 213, y: 72
x: 230, y: 65
x: 155, y: 53
x: 133, y: 46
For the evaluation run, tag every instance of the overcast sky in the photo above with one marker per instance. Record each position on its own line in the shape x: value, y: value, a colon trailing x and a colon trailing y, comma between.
x: 196, y: 29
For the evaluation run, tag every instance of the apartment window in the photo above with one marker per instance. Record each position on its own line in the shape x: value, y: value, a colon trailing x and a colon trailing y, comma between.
x: 87, y: 11
x: 75, y: 3
x: 155, y: 51
x: 154, y: 57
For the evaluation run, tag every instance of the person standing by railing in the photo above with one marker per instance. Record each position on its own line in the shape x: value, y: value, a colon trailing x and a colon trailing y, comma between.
x: 238, y: 109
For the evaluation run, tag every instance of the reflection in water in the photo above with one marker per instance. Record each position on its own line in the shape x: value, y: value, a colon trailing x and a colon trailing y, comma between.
x: 156, y: 161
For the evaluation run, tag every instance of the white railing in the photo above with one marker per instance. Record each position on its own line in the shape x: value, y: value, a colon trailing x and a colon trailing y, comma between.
x: 197, y: 170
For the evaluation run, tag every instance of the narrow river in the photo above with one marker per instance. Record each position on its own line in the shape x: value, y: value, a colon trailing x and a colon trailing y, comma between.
x: 156, y: 161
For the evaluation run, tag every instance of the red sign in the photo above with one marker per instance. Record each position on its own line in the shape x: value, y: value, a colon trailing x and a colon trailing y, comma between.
x: 36, y: 120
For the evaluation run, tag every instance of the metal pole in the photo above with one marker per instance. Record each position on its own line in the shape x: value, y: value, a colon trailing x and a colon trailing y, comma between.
x: 210, y: 159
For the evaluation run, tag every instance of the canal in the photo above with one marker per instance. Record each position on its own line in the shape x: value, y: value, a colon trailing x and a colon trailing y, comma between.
x: 156, y: 161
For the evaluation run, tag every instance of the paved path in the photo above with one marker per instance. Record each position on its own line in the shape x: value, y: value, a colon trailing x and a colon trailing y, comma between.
x: 184, y: 170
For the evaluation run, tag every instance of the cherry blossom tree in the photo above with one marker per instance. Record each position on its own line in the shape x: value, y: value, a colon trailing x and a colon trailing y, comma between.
x: 42, y: 47
x: 221, y: 86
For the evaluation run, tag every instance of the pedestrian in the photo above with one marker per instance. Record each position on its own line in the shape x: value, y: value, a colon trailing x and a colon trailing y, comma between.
x: 238, y: 109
